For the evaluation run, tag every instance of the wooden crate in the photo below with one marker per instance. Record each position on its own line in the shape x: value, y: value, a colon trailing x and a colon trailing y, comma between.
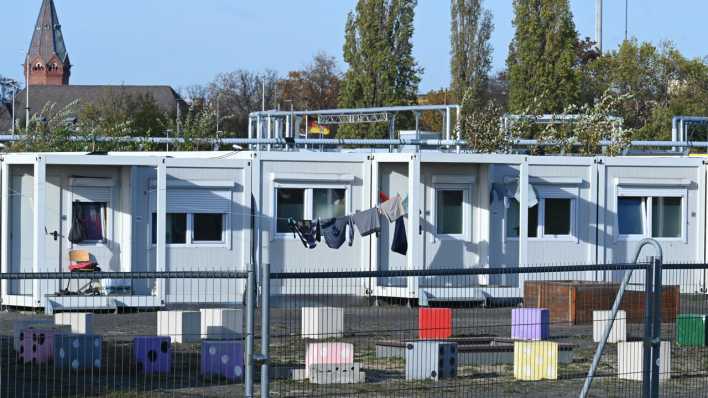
x: 570, y: 301
x: 633, y: 303
x: 574, y: 301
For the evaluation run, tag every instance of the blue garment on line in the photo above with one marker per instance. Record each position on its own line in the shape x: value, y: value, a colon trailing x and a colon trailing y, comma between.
x: 334, y: 231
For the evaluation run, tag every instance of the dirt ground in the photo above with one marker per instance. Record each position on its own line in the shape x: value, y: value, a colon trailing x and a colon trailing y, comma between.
x: 365, y: 325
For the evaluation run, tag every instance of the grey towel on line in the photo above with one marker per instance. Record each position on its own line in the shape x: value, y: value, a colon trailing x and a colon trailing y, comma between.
x: 335, y: 231
x: 393, y: 208
x: 367, y: 221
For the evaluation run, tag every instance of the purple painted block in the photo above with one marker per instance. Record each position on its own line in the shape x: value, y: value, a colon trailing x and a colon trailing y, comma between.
x: 153, y: 353
x: 530, y: 323
x: 222, y: 357
x: 37, y: 345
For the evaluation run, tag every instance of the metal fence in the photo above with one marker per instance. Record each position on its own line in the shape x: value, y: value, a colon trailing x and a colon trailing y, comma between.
x: 368, y: 334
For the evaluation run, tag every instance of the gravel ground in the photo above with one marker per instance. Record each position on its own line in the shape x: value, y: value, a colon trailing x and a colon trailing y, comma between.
x: 365, y: 325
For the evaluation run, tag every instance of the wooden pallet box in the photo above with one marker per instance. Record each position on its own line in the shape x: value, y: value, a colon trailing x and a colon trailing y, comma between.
x: 570, y: 301
x: 633, y: 303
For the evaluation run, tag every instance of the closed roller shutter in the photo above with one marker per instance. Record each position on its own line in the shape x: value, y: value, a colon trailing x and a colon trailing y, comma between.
x: 92, y: 194
x: 198, y: 201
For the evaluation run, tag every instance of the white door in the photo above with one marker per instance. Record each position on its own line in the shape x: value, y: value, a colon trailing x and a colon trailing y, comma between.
x: 448, y: 230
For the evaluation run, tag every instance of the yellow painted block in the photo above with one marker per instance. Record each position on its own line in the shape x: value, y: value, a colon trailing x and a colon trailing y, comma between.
x: 535, y: 360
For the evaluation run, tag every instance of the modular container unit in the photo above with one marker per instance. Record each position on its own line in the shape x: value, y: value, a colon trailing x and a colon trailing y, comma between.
x: 653, y: 197
x: 182, y: 211
x: 116, y: 197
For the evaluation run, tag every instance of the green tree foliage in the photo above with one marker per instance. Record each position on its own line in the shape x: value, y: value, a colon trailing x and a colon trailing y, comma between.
x: 542, y: 57
x: 482, y: 128
x: 471, y: 59
x: 590, y: 124
x: 661, y: 82
x: 379, y: 51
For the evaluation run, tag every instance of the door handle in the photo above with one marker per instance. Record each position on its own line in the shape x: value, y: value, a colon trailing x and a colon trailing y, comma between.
x: 54, y: 234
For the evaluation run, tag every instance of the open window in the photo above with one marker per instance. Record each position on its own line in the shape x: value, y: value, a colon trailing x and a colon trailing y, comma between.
x: 553, y: 217
x: 308, y: 203
x: 91, y: 205
x: 93, y: 216
x: 656, y: 213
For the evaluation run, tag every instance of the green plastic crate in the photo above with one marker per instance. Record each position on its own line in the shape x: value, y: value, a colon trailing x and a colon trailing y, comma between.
x: 691, y: 330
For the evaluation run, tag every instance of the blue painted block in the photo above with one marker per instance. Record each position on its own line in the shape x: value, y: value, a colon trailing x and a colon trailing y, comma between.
x: 222, y: 357
x: 153, y: 353
x: 77, y: 351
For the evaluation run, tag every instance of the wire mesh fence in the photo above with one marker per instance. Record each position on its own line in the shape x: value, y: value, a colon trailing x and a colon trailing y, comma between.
x: 162, y: 334
x: 528, y: 331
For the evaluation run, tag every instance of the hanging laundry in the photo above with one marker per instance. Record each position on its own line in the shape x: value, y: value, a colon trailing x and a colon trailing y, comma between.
x: 367, y: 221
x: 334, y: 231
x: 307, y: 230
x: 393, y: 208
x: 400, y: 240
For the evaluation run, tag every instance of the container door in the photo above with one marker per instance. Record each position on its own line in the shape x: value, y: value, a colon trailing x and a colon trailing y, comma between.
x: 448, y: 229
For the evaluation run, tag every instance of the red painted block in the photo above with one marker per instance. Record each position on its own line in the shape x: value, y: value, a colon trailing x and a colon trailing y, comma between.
x: 434, y: 323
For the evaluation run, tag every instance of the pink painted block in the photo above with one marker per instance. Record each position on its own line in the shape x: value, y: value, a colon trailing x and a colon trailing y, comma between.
x: 37, y: 345
x: 328, y: 353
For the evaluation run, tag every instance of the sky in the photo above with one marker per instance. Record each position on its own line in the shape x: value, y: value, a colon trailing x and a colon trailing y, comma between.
x: 186, y: 42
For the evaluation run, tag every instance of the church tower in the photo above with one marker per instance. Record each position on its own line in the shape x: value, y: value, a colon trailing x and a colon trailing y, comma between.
x: 47, y: 62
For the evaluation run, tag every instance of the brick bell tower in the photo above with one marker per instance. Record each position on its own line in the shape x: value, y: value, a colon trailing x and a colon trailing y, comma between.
x: 47, y: 62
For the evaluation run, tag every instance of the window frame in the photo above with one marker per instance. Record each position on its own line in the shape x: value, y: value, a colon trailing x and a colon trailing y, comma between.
x: 104, y: 222
x: 451, y: 185
x: 108, y: 198
x: 308, y: 202
x: 189, y: 233
x: 550, y: 191
x: 647, y: 206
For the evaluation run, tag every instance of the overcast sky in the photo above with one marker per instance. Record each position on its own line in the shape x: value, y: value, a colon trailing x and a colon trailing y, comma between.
x: 185, y: 42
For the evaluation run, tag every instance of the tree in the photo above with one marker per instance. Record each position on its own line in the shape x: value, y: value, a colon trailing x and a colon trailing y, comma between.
x: 542, y: 56
x: 239, y: 93
x: 314, y: 87
x: 379, y: 51
x: 471, y: 60
x: 659, y: 81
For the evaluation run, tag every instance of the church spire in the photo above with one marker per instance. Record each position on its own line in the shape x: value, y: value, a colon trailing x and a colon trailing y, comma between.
x: 47, y: 56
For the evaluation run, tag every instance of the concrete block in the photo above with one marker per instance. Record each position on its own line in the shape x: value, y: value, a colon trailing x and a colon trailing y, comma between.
x: 434, y: 323
x: 535, y: 360
x: 223, y: 358
x: 530, y: 323
x: 337, y: 374
x: 600, y: 319
x: 431, y: 360
x: 328, y: 353
x: 630, y: 357
x: 80, y: 322
x: 180, y: 326
x: 77, y: 351
x: 19, y: 326
x: 322, y: 322
x: 221, y: 323
x: 153, y: 354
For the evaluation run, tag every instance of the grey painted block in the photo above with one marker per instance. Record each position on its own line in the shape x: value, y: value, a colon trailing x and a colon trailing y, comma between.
x: 336, y: 373
x: 431, y: 360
